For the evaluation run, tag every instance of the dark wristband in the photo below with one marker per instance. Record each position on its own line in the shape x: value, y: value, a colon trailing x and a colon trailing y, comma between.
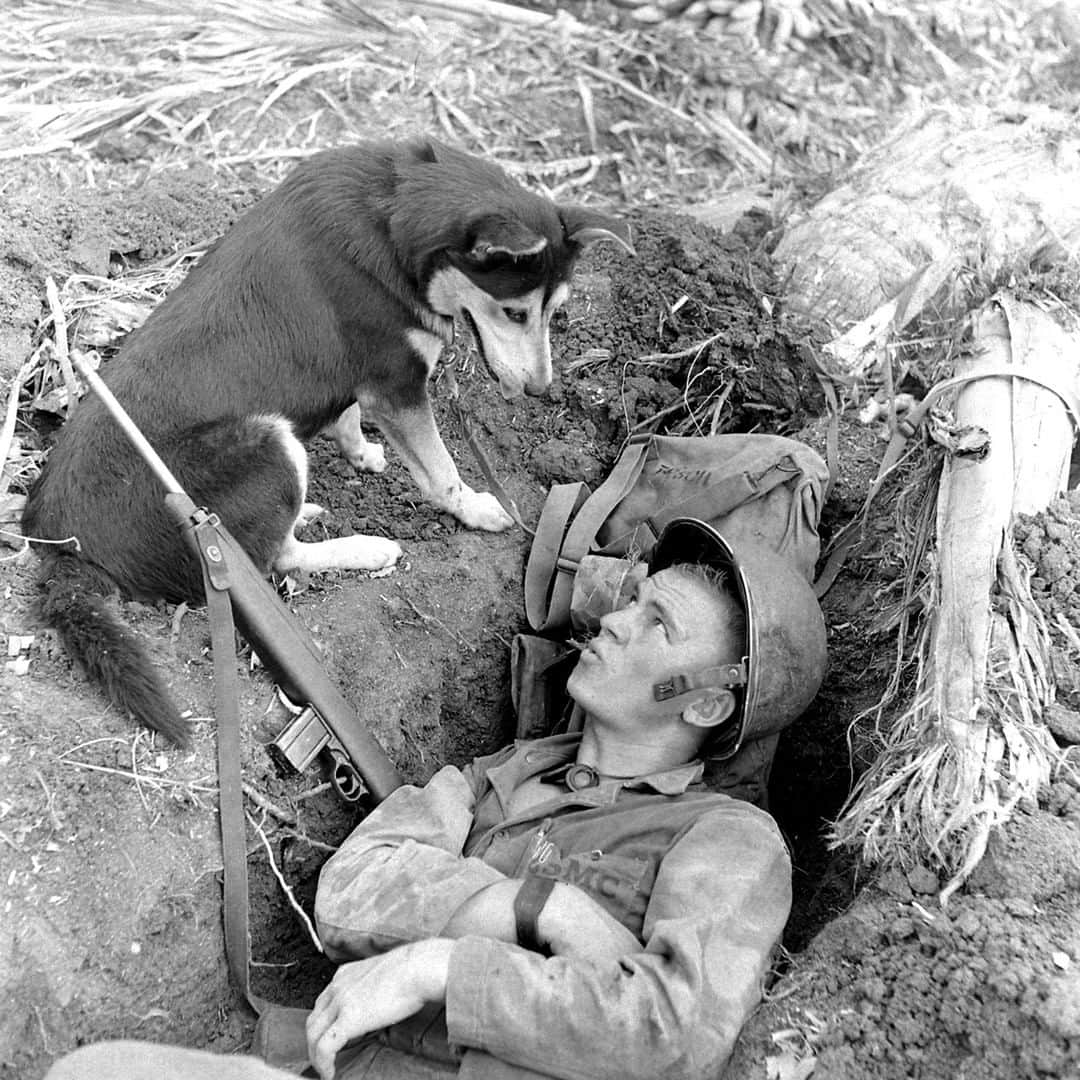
x: 529, y: 902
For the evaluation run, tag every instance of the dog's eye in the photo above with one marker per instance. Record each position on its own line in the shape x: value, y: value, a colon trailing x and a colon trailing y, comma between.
x: 516, y: 315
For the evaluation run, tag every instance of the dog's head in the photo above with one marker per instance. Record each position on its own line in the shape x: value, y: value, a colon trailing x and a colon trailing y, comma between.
x: 504, y: 261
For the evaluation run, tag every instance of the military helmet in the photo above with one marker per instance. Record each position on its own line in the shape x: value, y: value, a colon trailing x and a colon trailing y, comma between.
x: 783, y: 658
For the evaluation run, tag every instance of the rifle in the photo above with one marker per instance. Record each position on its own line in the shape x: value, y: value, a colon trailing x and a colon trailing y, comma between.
x: 326, y: 724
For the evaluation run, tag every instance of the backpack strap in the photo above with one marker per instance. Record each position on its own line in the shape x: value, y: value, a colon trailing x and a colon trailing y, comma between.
x: 542, y: 567
x: 557, y: 550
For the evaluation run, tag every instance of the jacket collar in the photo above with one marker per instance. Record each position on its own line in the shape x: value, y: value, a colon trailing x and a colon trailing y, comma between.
x: 539, y: 755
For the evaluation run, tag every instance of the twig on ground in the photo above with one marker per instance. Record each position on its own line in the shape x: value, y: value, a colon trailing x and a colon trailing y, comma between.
x: 160, y: 781
x: 60, y: 335
x: 427, y: 618
x: 682, y: 354
x: 135, y: 770
x: 270, y: 807
x: 318, y: 845
x: 50, y: 798
x: 312, y: 793
x: 177, y: 619
x: 11, y: 413
x: 286, y: 888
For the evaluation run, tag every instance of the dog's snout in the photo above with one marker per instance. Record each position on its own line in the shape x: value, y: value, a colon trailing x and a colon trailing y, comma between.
x: 536, y: 387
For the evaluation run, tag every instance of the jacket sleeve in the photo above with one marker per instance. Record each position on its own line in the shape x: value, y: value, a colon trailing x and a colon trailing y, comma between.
x: 400, y: 875
x: 721, y: 899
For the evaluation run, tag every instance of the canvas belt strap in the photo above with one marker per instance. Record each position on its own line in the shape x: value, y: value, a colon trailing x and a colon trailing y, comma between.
x: 851, y: 536
x: 230, y: 790
x: 556, y: 551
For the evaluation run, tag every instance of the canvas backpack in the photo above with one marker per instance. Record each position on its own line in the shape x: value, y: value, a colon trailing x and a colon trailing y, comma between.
x: 591, y: 548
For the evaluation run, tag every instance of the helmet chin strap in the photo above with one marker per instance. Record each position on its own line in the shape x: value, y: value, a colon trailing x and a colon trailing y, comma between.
x: 700, y: 684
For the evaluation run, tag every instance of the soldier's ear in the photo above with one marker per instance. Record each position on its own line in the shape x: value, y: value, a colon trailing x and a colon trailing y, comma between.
x: 710, y: 711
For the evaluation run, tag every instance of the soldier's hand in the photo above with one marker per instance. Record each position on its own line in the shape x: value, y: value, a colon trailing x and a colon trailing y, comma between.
x: 367, y: 995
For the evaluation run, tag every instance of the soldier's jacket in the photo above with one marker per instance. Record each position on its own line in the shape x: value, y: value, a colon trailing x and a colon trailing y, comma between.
x: 703, y: 880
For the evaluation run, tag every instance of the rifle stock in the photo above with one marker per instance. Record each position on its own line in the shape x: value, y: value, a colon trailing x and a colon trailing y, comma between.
x: 281, y: 641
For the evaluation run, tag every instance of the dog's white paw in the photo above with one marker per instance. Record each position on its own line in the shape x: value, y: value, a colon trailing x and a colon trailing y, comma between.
x: 371, y: 457
x: 481, y: 510
x: 356, y: 552
x: 308, y: 513
x: 372, y: 552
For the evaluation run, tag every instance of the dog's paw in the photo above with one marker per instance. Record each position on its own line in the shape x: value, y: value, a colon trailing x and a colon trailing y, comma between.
x: 308, y: 513
x: 372, y: 552
x: 356, y: 552
x: 370, y: 457
x: 481, y: 510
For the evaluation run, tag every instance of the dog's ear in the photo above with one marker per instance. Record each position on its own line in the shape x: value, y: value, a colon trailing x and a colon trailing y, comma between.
x: 493, y: 236
x: 585, y: 226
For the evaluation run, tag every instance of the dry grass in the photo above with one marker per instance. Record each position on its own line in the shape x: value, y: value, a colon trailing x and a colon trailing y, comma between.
x: 655, y: 114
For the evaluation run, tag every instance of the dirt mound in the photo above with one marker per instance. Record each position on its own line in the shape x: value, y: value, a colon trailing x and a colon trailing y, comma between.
x: 1050, y: 544
x: 989, y: 988
x: 1050, y: 541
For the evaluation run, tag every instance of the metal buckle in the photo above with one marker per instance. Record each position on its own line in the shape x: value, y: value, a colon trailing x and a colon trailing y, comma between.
x: 664, y: 691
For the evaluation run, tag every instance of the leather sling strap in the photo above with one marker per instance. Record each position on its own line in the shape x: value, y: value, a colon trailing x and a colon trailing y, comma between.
x: 230, y: 790
x: 851, y: 536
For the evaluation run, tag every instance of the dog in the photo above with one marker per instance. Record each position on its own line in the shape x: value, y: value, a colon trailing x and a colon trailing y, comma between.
x: 327, y: 302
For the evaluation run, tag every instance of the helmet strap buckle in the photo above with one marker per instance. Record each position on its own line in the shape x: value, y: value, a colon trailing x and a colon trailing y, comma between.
x: 718, y: 677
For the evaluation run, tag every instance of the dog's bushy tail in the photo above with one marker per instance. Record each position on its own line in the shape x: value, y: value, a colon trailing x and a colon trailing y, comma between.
x: 73, y: 601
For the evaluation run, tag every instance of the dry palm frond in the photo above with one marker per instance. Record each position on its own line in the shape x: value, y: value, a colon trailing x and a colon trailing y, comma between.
x: 936, y: 790
x: 973, y: 743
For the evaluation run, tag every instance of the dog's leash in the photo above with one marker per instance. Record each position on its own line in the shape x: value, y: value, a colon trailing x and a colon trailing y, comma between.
x: 506, y: 501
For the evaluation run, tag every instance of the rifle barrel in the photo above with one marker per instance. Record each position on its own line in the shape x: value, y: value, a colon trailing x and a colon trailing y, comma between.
x: 119, y: 414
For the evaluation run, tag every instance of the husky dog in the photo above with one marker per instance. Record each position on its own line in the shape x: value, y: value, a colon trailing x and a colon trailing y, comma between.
x: 330, y: 299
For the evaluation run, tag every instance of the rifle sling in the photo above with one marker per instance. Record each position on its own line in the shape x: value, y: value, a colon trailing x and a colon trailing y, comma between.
x: 230, y: 790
